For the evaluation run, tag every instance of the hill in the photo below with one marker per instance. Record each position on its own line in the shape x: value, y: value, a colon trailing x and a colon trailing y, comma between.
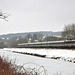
x: 45, y: 33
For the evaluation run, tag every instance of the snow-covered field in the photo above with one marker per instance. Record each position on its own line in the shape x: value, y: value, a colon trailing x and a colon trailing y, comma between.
x: 62, y: 54
x: 51, y: 65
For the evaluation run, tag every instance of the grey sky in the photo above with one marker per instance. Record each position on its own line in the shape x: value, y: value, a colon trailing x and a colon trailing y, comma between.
x: 36, y: 15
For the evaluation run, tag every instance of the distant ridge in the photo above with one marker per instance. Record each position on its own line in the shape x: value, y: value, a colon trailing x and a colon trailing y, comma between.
x: 45, y: 33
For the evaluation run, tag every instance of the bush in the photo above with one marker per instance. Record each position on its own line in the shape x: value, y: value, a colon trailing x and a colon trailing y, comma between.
x: 7, y: 68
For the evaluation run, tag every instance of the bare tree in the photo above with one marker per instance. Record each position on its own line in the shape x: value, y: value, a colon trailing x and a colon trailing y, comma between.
x: 69, y: 31
x: 40, y: 37
x: 3, y: 15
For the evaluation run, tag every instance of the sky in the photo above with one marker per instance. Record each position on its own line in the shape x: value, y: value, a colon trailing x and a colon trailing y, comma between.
x: 36, y: 15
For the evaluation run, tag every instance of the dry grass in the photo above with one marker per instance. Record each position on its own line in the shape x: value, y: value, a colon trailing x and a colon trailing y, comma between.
x: 7, y: 68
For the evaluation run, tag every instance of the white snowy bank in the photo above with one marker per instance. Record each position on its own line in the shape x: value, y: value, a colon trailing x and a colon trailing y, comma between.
x: 62, y: 54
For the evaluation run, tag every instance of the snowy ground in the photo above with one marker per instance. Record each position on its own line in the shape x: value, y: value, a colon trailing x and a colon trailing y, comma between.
x: 51, y: 65
x: 62, y: 54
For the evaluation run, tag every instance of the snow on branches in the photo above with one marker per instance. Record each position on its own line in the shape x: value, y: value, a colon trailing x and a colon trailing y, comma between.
x: 3, y: 15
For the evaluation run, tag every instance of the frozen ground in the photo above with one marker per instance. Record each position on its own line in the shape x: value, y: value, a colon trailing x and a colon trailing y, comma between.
x: 52, y: 66
x: 62, y: 54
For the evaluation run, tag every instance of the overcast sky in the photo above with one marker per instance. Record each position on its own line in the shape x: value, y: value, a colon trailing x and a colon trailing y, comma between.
x: 36, y: 15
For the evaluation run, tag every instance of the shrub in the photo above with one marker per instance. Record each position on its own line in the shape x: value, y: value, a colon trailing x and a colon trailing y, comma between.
x: 7, y: 68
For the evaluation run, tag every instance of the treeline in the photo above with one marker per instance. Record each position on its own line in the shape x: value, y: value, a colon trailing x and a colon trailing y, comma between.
x: 69, y: 31
x: 32, y: 38
x: 13, y: 42
x: 2, y: 45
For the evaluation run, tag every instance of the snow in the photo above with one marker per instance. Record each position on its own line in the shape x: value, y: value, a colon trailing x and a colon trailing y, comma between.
x: 51, y: 65
x: 64, y: 54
